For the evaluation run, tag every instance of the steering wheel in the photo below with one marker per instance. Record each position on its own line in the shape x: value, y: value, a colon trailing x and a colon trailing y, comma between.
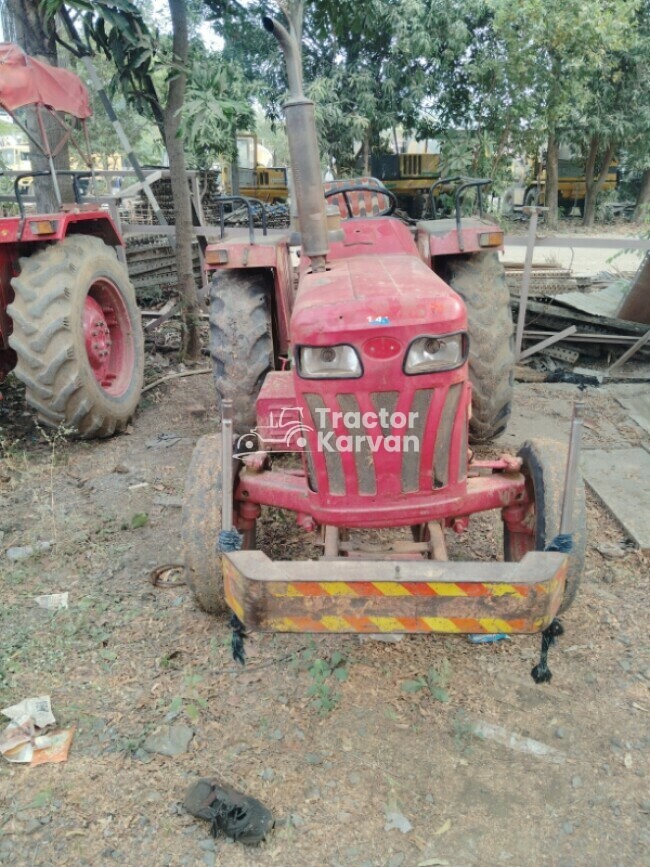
x: 364, y: 188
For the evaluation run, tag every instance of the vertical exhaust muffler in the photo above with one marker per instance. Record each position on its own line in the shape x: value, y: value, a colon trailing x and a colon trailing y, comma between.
x: 303, y: 148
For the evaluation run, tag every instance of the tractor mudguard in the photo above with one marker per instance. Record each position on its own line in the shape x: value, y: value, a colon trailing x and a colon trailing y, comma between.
x: 39, y: 228
x: 394, y: 596
x: 442, y: 237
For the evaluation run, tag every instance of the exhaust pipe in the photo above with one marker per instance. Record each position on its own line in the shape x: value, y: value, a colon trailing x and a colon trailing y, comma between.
x: 303, y: 147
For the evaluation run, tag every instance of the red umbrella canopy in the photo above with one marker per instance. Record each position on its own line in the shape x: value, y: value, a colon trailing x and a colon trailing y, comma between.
x: 27, y: 81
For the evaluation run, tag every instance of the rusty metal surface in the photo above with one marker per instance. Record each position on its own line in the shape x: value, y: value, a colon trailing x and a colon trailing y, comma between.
x: 636, y: 306
x: 389, y: 596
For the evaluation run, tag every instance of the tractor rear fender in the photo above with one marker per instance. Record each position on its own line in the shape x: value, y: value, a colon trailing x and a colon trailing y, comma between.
x: 442, y: 238
x: 50, y: 228
x: 98, y: 224
x: 20, y: 238
x: 227, y: 255
x: 394, y: 596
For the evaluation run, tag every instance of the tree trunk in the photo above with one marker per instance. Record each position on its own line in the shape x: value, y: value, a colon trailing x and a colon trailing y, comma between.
x: 643, y: 199
x: 551, y: 190
x: 191, y: 346
x: 594, y: 181
x: 234, y: 165
x: 37, y: 39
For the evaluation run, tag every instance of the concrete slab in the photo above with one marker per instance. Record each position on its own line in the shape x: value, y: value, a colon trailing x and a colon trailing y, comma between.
x: 638, y: 408
x: 536, y: 414
x: 621, y: 478
x: 544, y: 411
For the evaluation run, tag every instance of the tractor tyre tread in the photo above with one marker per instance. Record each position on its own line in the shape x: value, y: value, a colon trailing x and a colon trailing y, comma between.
x: 480, y: 280
x: 47, y: 315
x: 544, y: 462
x: 201, y: 525
x: 241, y: 341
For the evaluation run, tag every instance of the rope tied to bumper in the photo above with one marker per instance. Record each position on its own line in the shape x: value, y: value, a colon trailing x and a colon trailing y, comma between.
x: 562, y: 543
x: 541, y: 673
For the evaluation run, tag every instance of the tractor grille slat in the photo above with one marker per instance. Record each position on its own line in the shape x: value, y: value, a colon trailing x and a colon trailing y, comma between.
x: 443, y: 440
x: 367, y: 462
x: 363, y: 458
x: 333, y: 462
x: 411, y: 460
x: 386, y: 400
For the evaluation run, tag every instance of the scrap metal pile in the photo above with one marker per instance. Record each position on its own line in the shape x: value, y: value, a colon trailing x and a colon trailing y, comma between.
x: 213, y: 202
x: 152, y: 267
x: 557, y: 300
x: 277, y: 216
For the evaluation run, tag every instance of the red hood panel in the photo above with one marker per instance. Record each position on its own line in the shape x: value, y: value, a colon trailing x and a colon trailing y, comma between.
x: 368, y: 291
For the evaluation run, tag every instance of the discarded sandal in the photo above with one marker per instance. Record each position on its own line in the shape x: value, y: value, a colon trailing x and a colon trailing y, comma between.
x: 238, y: 816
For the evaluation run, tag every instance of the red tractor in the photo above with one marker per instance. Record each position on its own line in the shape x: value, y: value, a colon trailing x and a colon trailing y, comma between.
x: 69, y: 321
x: 390, y: 347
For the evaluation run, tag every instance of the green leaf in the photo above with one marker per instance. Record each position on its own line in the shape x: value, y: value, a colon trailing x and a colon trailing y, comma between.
x: 192, y: 712
x: 176, y: 705
x: 107, y: 654
x: 140, y: 519
x: 413, y: 685
x: 41, y: 799
x: 341, y: 674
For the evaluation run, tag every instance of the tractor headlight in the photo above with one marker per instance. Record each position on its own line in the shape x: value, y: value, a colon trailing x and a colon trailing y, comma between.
x: 329, y: 362
x: 428, y: 353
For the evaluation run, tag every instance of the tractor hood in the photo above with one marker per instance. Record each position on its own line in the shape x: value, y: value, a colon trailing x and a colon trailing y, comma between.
x: 375, y: 282
x: 367, y: 295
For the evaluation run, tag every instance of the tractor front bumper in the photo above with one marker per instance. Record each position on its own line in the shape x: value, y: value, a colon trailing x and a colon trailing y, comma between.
x: 400, y: 596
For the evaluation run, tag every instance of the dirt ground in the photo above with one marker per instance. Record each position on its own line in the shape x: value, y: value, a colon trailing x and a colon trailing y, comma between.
x: 340, y: 758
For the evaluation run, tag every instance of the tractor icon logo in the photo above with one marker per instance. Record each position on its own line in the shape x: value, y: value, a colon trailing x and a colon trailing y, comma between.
x: 284, y: 432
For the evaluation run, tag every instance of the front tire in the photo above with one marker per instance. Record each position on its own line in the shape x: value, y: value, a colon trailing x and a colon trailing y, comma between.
x: 77, y: 336
x: 480, y: 280
x: 201, y: 525
x: 544, y: 466
x: 241, y: 342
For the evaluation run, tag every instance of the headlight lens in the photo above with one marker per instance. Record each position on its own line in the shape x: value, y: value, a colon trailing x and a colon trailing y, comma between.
x: 329, y: 362
x: 428, y: 353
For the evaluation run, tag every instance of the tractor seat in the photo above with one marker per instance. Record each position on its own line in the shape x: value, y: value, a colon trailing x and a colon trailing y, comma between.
x: 361, y: 203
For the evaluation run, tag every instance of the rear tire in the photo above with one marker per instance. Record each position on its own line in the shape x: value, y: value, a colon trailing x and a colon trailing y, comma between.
x: 241, y: 342
x: 201, y: 525
x: 544, y: 466
x: 531, y: 197
x: 420, y: 208
x: 57, y: 289
x: 480, y: 280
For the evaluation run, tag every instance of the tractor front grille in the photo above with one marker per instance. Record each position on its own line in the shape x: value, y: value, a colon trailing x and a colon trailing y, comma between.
x: 411, y: 165
x: 424, y: 465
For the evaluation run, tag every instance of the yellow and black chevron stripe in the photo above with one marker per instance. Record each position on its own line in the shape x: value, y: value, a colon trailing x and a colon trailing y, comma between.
x: 393, y: 606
